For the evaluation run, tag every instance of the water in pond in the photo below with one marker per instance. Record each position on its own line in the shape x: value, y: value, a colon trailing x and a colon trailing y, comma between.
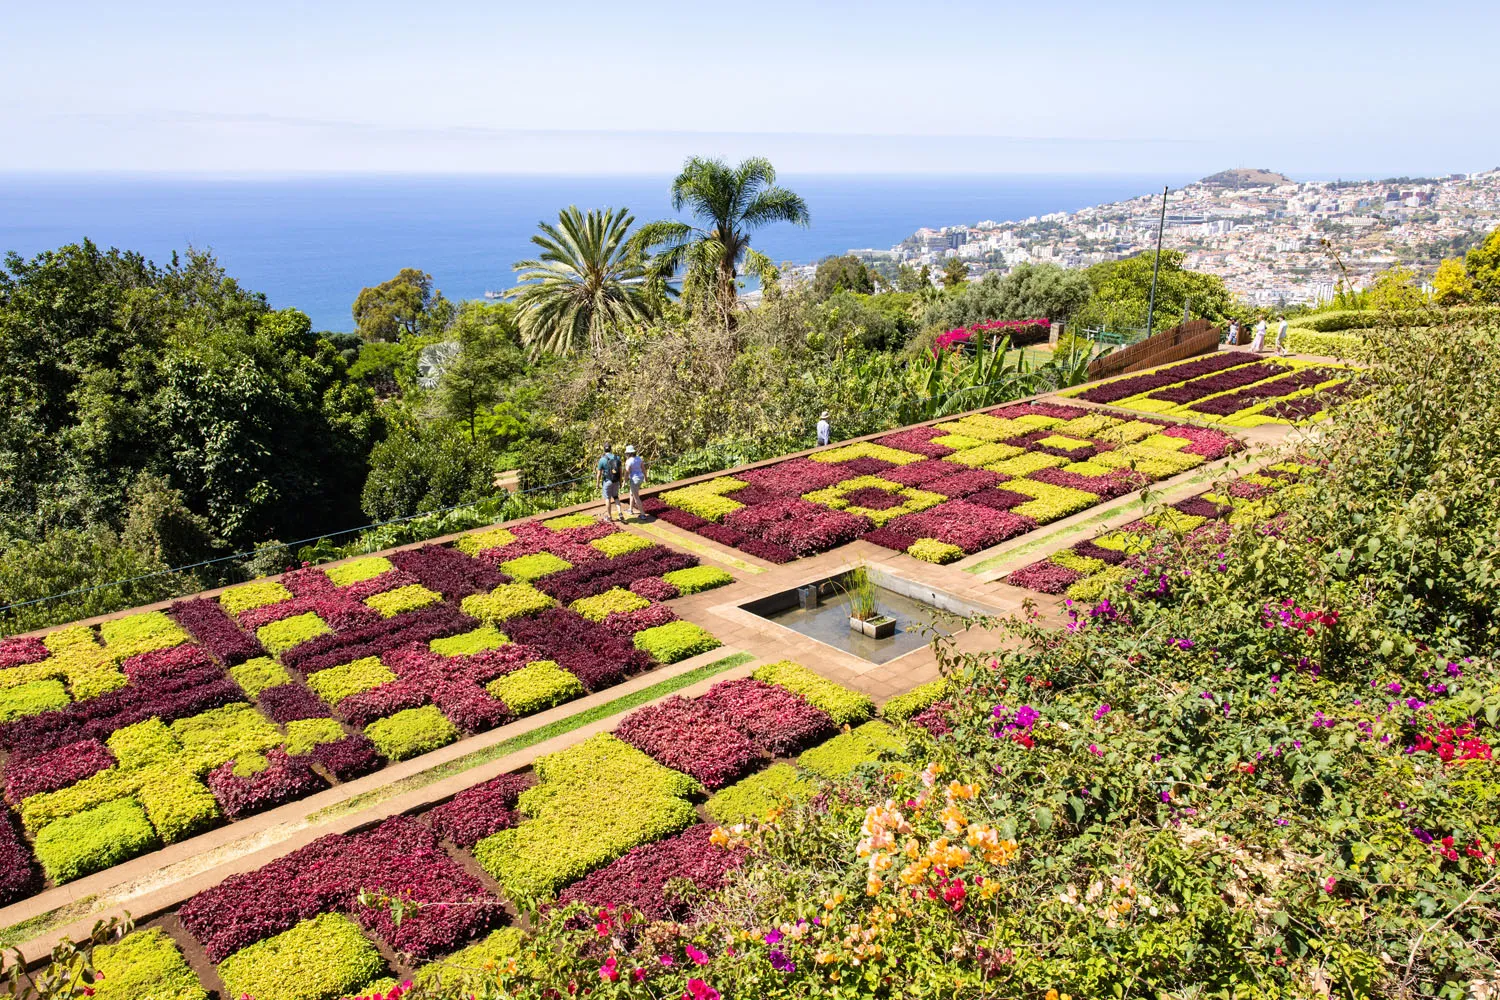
x: 830, y: 623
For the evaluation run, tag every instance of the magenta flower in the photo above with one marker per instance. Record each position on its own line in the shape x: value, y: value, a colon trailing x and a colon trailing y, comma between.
x: 698, y: 957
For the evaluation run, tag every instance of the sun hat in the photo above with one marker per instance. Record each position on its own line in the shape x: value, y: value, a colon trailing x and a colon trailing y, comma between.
x: 630, y: 449
x: 824, y: 416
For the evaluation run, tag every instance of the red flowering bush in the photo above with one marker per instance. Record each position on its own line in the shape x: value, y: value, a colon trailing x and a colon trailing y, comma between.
x: 693, y: 738
x: 969, y: 526
x: 211, y: 626
x: 779, y: 721
x: 47, y: 772
x: 284, y: 779
x: 638, y: 880
x: 448, y: 571
x: 477, y: 812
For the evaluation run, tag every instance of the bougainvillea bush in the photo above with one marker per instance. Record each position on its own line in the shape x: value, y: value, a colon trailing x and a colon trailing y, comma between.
x: 943, y: 491
x: 156, y: 726
x: 1237, y: 389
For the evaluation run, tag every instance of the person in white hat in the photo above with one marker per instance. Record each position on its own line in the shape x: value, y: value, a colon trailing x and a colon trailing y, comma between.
x: 635, y: 475
x: 825, y: 432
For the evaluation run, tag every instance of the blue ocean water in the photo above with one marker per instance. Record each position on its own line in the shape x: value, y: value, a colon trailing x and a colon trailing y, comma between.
x: 313, y: 243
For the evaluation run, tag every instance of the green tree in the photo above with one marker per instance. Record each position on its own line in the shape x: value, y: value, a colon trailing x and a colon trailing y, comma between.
x: 1483, y: 266
x: 401, y: 307
x: 1122, y: 291
x: 842, y: 274
x: 425, y: 467
x: 1451, y: 284
x: 1029, y: 291
x: 488, y: 355
x: 730, y: 202
x: 955, y: 272
x: 586, y: 286
x: 909, y: 279
x: 1395, y: 290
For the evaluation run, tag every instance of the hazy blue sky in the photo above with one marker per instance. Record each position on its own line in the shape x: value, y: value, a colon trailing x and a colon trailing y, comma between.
x: 1311, y: 88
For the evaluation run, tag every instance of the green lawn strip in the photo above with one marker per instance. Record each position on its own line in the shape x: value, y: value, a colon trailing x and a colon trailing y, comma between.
x: 18, y: 933
x: 529, y: 739
x: 1015, y: 556
x: 697, y: 547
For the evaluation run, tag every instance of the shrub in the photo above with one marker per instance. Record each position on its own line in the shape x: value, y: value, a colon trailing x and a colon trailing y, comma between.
x: 697, y: 578
x: 468, y: 643
x: 846, y: 751
x: 1330, y: 345
x: 480, y: 541
x: 354, y: 571
x: 535, y: 687
x: 844, y: 706
x: 601, y: 606
x: 477, y: 812
x: 693, y: 738
x: 280, y: 636
x: 904, y: 706
x: 620, y: 543
x: 674, y: 641
x: 505, y: 602
x: 94, y: 840
x: 319, y: 959
x: 337, y: 683
x: 933, y: 551
x: 31, y: 699
x: 754, y: 798
x: 254, y: 676
x: 640, y: 880
x: 255, y: 594
x: 302, y: 735
x: 408, y: 598
x: 411, y: 732
x: 593, y: 802
x: 534, y: 566
x: 145, y: 965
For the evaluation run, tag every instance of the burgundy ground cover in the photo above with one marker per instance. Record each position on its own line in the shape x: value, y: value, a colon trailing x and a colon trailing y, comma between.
x: 918, y: 441
x: 969, y: 526
x: 693, y: 738
x: 284, y: 779
x: 349, y: 757
x: 631, y: 622
x: 335, y: 649
x: 1123, y: 388
x: 1211, y: 444
x: 604, y: 574
x: 19, y: 651
x: 19, y: 877
x: 589, y: 651
x: 777, y: 720
x: 47, y: 772
x: 1058, y: 411
x: 919, y: 474
x: 890, y: 539
x: 477, y: 812
x: 289, y: 702
x: 208, y: 623
x: 1304, y: 378
x: 1106, y: 487
x: 998, y: 499
x: 1223, y: 381
x: 637, y: 880
x: 449, y: 571
x: 961, y: 484
x: 795, y: 477
x: 1044, y: 576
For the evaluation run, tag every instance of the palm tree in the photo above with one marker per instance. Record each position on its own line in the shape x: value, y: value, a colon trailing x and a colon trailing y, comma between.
x: 730, y: 201
x: 586, y: 285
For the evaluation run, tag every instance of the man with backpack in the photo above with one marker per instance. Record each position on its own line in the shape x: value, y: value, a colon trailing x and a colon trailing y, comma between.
x: 607, y: 479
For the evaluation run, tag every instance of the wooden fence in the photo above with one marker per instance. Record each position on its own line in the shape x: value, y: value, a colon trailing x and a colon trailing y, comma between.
x: 1194, y: 337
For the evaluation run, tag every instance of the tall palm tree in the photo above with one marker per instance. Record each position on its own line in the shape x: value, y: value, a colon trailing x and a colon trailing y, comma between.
x: 586, y: 284
x: 729, y: 202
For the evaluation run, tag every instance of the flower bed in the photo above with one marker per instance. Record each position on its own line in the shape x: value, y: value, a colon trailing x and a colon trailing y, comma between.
x: 639, y: 879
x: 779, y: 720
x: 842, y: 705
x: 674, y: 641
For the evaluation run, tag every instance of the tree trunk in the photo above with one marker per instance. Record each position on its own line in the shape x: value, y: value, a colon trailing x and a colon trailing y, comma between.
x: 727, y: 297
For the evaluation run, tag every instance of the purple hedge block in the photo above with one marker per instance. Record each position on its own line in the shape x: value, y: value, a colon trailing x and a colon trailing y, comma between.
x: 148, y: 668
x: 1110, y: 557
x: 693, y: 738
x: 796, y: 476
x: 1057, y: 411
x: 423, y: 625
x: 873, y: 498
x: 769, y: 551
x: 1201, y: 507
x: 631, y: 622
x: 963, y: 483
x: 47, y: 772
x: 998, y: 499
x: 605, y: 574
x: 638, y: 879
x: 1123, y: 388
x: 283, y: 780
x: 449, y: 571
x: 918, y: 441
x: 592, y: 653
x: 365, y: 707
x: 969, y: 526
x: 918, y: 474
x: 477, y: 812
x: 719, y: 533
x: 889, y: 539
x: 17, y: 652
x: 289, y: 702
x: 1105, y: 487
x: 1305, y: 378
x: 653, y: 588
x: 208, y: 623
x: 681, y: 518
x: 19, y: 877
x: 863, y: 466
x: 1234, y: 378
x: 1045, y: 577
x: 804, y: 528
x: 779, y: 721
x: 349, y: 757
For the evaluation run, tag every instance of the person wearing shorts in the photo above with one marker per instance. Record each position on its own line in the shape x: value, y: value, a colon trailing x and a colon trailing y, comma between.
x: 635, y: 478
x: 607, y: 481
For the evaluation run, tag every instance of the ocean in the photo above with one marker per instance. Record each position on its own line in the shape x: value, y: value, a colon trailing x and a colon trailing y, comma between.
x: 314, y: 242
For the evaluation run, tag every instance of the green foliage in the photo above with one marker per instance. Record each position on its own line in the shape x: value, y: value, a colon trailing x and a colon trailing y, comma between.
x: 675, y: 641
x: 846, y: 707
x: 620, y: 543
x: 471, y: 384
x: 304, y: 734
x: 903, y: 706
x: 506, y: 601
x: 933, y: 551
x: 1029, y: 291
x: 754, y: 798
x: 404, y: 306
x: 600, y: 606
x: 566, y: 521
x: 842, y: 274
x: 319, y: 959
x: 254, y: 676
x: 94, y: 840
x: 534, y: 566
x: 425, y: 467
x: 140, y: 633
x: 592, y: 803
x: 468, y: 643
x: 357, y: 570
x: 493, y: 951
x: 146, y: 965
x: 1122, y: 290
x: 335, y: 684
x: 411, y: 732
x: 836, y: 758
x: 1331, y: 345
x: 1482, y: 265
x: 280, y: 636
x: 391, y: 603
x: 697, y: 578
x: 535, y: 687
x: 31, y: 698
x: 220, y: 735
x: 256, y: 594
x: 707, y: 499
x: 955, y: 273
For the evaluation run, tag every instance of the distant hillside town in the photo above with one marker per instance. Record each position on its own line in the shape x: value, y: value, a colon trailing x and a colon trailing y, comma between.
x: 1273, y: 240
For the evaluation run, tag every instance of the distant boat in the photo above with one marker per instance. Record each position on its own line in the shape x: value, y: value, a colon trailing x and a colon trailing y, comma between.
x: 493, y: 295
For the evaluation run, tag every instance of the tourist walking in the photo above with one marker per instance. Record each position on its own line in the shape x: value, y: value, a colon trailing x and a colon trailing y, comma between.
x: 1233, y: 336
x: 635, y: 477
x: 1259, y: 343
x: 1281, y: 338
x: 825, y: 432
x: 607, y: 481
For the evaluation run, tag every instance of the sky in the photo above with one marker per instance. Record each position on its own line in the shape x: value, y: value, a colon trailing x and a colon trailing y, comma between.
x: 1313, y: 89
